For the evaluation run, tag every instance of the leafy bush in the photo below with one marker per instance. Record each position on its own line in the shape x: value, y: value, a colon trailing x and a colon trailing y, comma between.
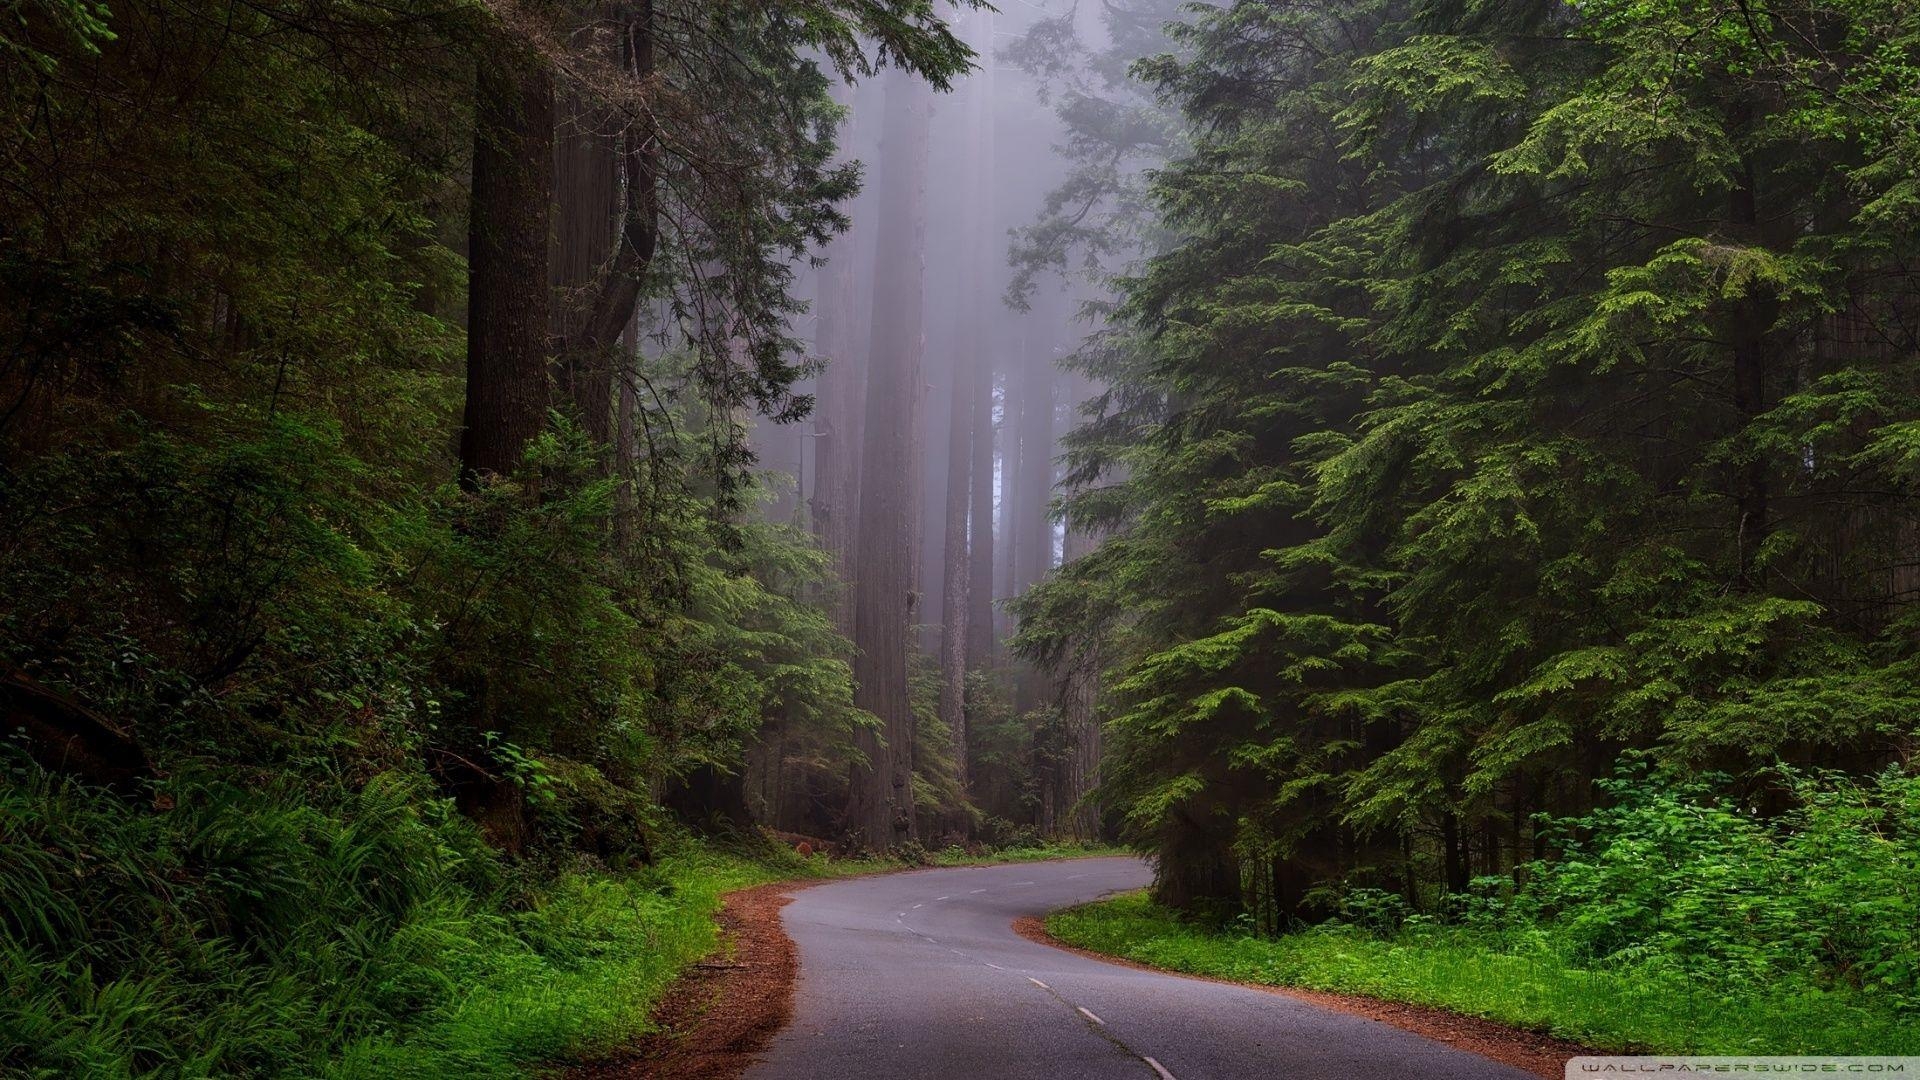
x: 1518, y: 978
x: 235, y: 932
x: 1672, y: 874
x: 238, y: 932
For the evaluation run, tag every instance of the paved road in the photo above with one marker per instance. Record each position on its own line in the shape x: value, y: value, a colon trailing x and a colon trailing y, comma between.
x: 921, y: 976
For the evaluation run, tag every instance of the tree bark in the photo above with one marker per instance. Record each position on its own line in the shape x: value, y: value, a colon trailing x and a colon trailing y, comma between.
x: 508, y: 223
x: 1033, y: 543
x: 1008, y: 433
x: 981, y: 642
x: 957, y: 568
x: 1079, y: 698
x: 983, y: 305
x: 840, y: 338
x: 587, y: 208
x: 1752, y: 318
x: 967, y: 479
x: 607, y: 309
x: 1196, y: 871
x: 626, y: 436
x: 1032, y: 553
x: 880, y: 806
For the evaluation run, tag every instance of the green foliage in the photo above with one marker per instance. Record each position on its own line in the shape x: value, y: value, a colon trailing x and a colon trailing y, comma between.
x: 235, y: 931
x: 1516, y: 391
x: 1673, y: 875
x: 1675, y: 918
x: 274, y: 931
x: 401, y: 733
x: 1523, y: 983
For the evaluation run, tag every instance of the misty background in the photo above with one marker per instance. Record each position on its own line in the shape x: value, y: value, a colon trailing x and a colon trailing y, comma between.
x: 976, y: 268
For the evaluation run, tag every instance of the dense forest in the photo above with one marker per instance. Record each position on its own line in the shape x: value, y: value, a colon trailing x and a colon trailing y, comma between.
x: 1518, y: 393
x: 1390, y: 456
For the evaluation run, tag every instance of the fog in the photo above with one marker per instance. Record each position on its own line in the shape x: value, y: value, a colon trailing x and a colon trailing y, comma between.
x: 991, y: 218
x: 993, y: 156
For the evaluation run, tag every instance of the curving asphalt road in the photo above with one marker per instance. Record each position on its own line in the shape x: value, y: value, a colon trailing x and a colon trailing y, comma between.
x: 920, y: 975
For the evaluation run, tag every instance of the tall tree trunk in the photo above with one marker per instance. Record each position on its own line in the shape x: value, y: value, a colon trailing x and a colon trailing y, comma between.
x: 586, y: 213
x: 957, y: 566
x: 880, y: 806
x: 507, y: 319
x: 606, y: 309
x: 1196, y: 871
x: 1032, y: 548
x: 1033, y: 543
x: 840, y: 337
x: 934, y: 427
x: 511, y: 210
x: 967, y: 480
x: 779, y: 448
x: 981, y: 642
x: 984, y: 308
x: 1752, y: 319
x: 1079, y: 696
x: 836, y: 425
x: 1456, y: 853
x: 626, y: 436
x: 1007, y: 401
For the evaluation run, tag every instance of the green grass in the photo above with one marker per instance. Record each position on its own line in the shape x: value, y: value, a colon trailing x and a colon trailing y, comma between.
x: 960, y: 857
x: 1520, y: 982
x: 603, y: 950
x: 581, y: 972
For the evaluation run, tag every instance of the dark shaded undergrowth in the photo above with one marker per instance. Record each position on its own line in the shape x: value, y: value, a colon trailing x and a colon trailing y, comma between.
x: 210, y: 929
x: 1675, y: 919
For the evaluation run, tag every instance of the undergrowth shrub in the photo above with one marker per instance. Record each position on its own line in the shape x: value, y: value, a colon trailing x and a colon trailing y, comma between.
x: 229, y: 931
x: 1672, y: 874
x: 234, y: 932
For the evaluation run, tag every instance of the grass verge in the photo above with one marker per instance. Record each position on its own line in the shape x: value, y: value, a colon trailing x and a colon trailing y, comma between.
x: 1039, y: 853
x: 1521, y: 982
x: 580, y: 971
x: 584, y: 970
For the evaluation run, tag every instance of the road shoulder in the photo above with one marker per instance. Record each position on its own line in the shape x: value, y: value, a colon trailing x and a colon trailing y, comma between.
x: 1542, y: 1055
x: 720, y: 1013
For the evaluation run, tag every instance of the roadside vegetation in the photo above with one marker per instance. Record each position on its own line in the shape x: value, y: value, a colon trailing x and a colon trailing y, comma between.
x: 255, y: 933
x: 1675, y: 920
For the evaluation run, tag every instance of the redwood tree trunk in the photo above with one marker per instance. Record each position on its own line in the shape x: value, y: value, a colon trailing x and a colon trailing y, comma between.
x: 985, y: 308
x: 840, y: 338
x: 957, y: 568
x: 836, y: 426
x: 608, y: 306
x: 980, y: 637
x: 508, y: 224
x: 1032, y: 533
x: 587, y: 210
x: 1033, y: 542
x: 1079, y: 698
x: 1751, y: 320
x: 880, y: 806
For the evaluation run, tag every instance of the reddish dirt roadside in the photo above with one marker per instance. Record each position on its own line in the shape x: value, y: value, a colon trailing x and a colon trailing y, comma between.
x: 1542, y: 1055
x: 721, y: 1012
